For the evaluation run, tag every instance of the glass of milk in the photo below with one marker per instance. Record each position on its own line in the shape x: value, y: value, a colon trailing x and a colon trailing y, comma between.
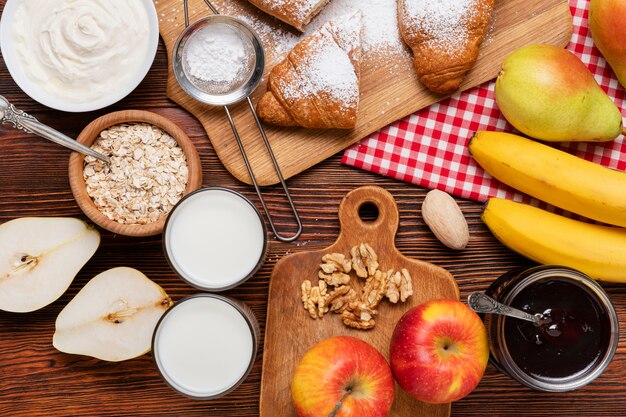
x: 205, y: 345
x: 215, y: 239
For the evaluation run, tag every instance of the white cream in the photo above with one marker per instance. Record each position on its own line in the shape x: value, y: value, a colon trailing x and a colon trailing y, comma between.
x: 214, y: 238
x: 81, y: 50
x: 203, y: 346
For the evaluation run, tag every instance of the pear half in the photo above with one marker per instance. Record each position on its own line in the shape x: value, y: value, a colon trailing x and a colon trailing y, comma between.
x: 112, y: 317
x: 39, y: 258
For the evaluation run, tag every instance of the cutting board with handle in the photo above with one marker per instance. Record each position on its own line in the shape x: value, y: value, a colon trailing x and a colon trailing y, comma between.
x: 290, y: 331
x: 389, y: 87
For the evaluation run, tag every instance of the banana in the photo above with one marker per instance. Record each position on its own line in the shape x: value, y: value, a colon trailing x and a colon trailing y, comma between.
x: 597, y: 250
x: 553, y: 176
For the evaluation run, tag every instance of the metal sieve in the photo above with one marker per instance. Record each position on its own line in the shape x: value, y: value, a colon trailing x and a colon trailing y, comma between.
x: 214, y: 95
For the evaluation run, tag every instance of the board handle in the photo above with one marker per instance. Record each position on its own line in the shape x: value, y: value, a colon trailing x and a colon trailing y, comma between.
x: 383, y: 228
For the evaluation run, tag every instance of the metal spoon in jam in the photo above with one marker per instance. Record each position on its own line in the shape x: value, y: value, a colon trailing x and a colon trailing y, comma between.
x: 555, y: 324
x: 482, y: 303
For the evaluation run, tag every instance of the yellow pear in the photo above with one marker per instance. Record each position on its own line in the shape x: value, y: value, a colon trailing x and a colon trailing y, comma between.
x: 547, y: 93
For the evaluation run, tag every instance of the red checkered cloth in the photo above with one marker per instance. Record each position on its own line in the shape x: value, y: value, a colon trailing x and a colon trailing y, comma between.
x: 429, y: 148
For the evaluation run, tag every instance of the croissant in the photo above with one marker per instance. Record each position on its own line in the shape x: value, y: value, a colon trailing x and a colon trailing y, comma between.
x: 445, y: 36
x: 297, y: 13
x: 317, y: 84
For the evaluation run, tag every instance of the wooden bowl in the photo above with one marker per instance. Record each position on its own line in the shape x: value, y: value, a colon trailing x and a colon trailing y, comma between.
x: 91, y: 133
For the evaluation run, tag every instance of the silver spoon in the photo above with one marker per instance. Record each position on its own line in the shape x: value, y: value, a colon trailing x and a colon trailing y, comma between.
x: 482, y: 303
x: 19, y: 119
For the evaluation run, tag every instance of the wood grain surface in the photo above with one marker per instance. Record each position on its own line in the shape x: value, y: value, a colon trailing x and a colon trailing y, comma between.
x: 36, y: 380
x: 389, y: 86
x: 287, y: 320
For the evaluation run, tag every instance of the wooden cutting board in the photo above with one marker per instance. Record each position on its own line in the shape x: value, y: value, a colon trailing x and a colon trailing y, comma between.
x: 389, y: 88
x: 289, y: 330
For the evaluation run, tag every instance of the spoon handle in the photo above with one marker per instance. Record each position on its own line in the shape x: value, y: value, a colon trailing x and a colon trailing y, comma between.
x: 481, y: 303
x: 19, y: 119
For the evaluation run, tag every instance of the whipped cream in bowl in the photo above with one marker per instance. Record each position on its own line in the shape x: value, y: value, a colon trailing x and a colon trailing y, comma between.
x: 78, y: 55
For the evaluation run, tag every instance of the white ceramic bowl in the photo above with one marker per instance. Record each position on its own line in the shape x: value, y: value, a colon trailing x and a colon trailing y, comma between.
x: 37, y: 93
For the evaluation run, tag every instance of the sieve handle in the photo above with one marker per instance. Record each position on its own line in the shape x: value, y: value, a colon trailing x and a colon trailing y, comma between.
x: 279, y: 236
x: 186, y: 9
x: 294, y: 211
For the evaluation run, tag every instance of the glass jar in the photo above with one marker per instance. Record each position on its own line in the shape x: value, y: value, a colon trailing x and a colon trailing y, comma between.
x: 205, y: 345
x: 575, y: 342
x: 215, y: 239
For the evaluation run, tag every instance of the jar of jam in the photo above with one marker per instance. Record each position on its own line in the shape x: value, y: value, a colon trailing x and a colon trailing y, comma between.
x: 576, y: 339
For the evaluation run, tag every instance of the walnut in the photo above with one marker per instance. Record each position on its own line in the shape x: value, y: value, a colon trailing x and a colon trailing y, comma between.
x: 392, y: 291
x: 334, y: 292
x: 335, y: 269
x: 335, y: 279
x: 364, y: 260
x: 335, y: 262
x: 399, y: 286
x: 339, y: 299
x: 314, y: 298
x: 359, y: 315
x: 308, y: 304
x: 374, y: 289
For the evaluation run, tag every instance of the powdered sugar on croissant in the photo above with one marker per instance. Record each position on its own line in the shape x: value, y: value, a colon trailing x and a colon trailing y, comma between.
x: 297, y: 13
x: 317, y: 84
x: 445, y: 36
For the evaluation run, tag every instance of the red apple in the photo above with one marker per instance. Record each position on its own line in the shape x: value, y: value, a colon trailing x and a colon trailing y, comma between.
x: 342, y: 376
x: 439, y: 351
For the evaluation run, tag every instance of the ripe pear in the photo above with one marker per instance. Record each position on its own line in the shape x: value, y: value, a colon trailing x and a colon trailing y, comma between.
x: 547, y: 93
x: 607, y: 22
x: 39, y: 258
x: 112, y: 317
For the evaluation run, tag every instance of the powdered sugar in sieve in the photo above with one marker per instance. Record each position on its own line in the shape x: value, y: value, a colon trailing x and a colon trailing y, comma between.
x: 218, y: 58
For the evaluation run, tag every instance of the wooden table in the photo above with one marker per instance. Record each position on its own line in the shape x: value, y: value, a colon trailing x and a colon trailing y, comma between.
x: 35, y: 379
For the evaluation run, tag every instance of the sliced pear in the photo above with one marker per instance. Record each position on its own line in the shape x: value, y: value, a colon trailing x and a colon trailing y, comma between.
x: 113, y: 317
x: 39, y: 258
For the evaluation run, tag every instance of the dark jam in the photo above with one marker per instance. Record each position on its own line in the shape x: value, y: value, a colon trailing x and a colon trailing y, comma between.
x: 572, y: 337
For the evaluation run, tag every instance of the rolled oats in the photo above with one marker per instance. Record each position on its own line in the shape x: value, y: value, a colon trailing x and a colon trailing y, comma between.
x: 145, y: 178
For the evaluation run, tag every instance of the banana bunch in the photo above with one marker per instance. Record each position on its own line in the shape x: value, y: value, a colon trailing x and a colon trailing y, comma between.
x: 564, y: 181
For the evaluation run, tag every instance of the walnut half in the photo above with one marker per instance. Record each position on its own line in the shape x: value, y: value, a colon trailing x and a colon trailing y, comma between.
x: 334, y: 279
x: 314, y: 298
x: 399, y: 285
x: 364, y: 260
x: 335, y: 269
x: 359, y: 316
x: 340, y: 298
x: 374, y: 289
x: 335, y: 262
